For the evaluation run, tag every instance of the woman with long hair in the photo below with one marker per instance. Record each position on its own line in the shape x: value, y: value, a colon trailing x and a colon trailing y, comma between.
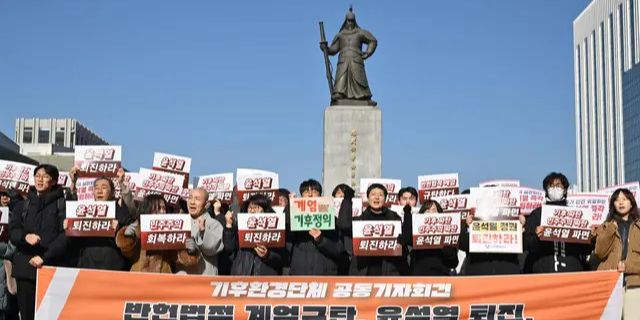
x: 618, y: 246
x: 156, y: 261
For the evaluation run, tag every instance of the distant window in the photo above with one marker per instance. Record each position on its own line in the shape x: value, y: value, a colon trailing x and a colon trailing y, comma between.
x: 27, y: 135
x: 43, y: 136
x: 60, y: 138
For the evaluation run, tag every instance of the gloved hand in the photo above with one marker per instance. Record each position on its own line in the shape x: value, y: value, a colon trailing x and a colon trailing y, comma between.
x: 130, y: 231
x: 190, y: 245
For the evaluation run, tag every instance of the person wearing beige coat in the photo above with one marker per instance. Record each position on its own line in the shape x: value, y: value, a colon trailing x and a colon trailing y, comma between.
x: 618, y: 246
x: 154, y: 261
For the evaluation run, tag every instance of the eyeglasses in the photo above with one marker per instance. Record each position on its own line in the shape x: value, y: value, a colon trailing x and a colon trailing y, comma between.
x: 44, y: 177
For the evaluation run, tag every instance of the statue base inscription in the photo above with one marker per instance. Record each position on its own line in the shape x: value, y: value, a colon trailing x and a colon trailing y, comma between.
x: 352, y: 145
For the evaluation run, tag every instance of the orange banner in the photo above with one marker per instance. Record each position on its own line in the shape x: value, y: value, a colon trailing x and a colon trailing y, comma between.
x: 86, y: 294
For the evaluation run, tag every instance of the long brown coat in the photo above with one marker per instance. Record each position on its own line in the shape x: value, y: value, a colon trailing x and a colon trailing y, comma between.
x: 152, y: 261
x: 609, y: 250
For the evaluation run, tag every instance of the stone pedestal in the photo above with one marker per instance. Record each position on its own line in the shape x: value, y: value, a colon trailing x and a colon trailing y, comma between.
x: 352, y: 145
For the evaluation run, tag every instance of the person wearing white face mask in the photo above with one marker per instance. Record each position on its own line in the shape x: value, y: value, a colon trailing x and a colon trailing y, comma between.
x: 552, y: 256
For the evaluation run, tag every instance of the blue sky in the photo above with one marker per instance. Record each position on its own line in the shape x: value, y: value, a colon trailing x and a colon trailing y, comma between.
x: 483, y: 88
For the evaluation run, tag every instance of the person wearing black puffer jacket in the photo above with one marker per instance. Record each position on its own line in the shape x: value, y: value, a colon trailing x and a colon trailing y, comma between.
x: 379, y: 265
x: 429, y: 262
x: 314, y: 252
x: 36, y: 229
x: 552, y: 256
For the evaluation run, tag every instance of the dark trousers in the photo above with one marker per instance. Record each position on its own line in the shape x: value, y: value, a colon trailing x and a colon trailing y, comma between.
x: 26, y: 298
x: 12, y: 307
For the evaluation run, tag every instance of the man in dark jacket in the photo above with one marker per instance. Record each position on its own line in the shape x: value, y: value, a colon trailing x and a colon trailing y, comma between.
x: 36, y: 229
x: 379, y: 265
x: 552, y: 256
x: 102, y: 252
x: 315, y: 252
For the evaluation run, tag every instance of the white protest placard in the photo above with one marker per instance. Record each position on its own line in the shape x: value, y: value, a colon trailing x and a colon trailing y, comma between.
x: 634, y: 187
x: 266, y: 229
x: 90, y: 218
x: 171, y: 162
x: 597, y: 202
x: 97, y: 161
x: 377, y: 238
x: 64, y: 180
x: 568, y: 224
x: 219, y: 186
x: 84, y: 189
x: 496, y: 203
x: 253, y: 181
x: 456, y: 203
x: 530, y: 199
x: 131, y: 180
x: 164, y: 231
x: 500, y: 183
x: 495, y: 237
x: 16, y: 175
x: 435, y: 230
x: 438, y: 185
x: 167, y: 184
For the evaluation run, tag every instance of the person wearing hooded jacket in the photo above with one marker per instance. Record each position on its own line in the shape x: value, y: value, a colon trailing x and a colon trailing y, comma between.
x: 378, y: 265
x: 314, y: 252
x: 36, y: 229
x: 552, y: 256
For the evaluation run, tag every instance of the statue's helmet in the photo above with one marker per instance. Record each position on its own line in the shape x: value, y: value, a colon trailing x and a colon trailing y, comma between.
x: 350, y: 15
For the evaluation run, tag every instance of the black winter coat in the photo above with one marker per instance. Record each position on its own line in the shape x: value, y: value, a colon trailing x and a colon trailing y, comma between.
x: 44, y: 217
x: 552, y: 256
x: 480, y: 264
x: 246, y: 262
x: 432, y: 262
x: 310, y: 257
x: 379, y: 266
x: 102, y: 252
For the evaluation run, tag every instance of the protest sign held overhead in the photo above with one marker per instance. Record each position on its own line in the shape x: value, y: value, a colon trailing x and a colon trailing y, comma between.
x: 253, y: 181
x: 438, y: 185
x: 219, y: 186
x: 97, y: 161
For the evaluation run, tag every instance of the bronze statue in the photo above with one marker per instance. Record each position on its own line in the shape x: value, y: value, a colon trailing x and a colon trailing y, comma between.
x: 351, y: 86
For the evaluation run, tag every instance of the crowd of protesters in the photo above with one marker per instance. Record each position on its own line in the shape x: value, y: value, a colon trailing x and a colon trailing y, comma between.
x: 37, y: 237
